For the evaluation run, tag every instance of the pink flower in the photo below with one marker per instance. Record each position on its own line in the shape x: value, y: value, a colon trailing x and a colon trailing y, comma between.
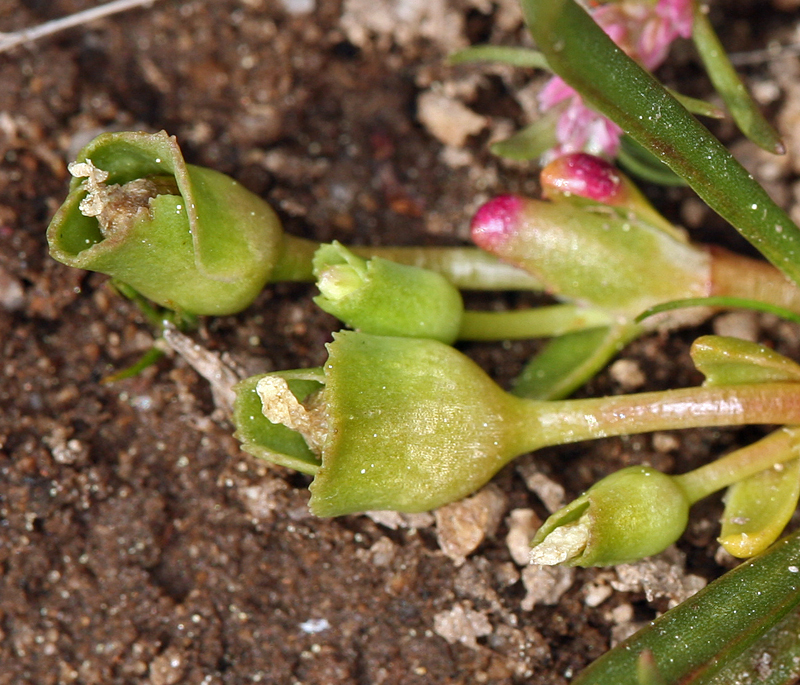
x: 645, y: 32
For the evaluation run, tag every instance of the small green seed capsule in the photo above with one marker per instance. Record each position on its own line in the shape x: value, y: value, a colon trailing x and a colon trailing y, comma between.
x: 188, y: 238
x: 631, y: 514
x: 386, y: 298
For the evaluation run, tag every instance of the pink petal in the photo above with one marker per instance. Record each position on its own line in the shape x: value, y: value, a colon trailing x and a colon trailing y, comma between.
x: 654, y: 42
x: 554, y: 91
x: 678, y: 14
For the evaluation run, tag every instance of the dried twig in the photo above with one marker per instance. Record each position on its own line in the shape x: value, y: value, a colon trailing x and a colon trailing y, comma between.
x: 773, y: 52
x: 220, y: 373
x: 10, y: 40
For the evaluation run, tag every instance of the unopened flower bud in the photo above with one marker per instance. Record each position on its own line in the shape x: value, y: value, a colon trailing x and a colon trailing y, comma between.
x: 582, y: 179
x: 621, y: 264
x: 386, y: 298
x: 582, y: 175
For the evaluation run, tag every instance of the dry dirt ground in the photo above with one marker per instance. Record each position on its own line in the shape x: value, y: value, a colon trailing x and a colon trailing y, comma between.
x: 137, y: 543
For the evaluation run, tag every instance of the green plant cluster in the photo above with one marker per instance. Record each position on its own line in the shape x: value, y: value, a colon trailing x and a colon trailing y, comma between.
x: 397, y: 418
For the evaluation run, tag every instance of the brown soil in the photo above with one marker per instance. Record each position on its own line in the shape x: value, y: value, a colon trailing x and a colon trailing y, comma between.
x: 137, y: 543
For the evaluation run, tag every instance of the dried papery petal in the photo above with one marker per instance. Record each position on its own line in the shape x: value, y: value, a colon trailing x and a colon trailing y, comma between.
x: 280, y: 405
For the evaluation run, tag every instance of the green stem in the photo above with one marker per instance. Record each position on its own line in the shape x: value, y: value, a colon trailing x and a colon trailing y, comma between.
x: 733, y: 275
x: 465, y: 267
x: 540, y: 322
x: 517, y: 57
x: 295, y: 261
x: 540, y: 424
x: 779, y: 447
x: 152, y: 356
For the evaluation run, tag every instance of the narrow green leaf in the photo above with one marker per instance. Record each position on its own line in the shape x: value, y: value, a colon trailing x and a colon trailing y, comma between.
x: 530, y: 142
x: 152, y: 356
x: 745, y: 112
x: 615, y: 85
x: 515, y: 56
x: 698, y: 641
x: 568, y: 361
x: 645, y: 164
x: 758, y: 508
x: 772, y: 660
x: 697, y: 106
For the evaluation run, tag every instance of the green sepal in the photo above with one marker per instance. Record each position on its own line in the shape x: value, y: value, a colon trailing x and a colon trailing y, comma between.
x: 707, y: 638
x: 570, y: 360
x: 275, y: 442
x: 726, y: 361
x: 207, y: 250
x: 758, y: 508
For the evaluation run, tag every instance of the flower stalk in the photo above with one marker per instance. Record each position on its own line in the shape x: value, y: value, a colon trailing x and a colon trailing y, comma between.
x: 638, y: 511
x: 413, y: 424
x: 383, y: 297
x: 194, y: 240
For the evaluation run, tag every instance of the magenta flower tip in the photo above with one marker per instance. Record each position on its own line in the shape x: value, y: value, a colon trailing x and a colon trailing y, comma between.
x: 496, y: 221
x: 583, y: 175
